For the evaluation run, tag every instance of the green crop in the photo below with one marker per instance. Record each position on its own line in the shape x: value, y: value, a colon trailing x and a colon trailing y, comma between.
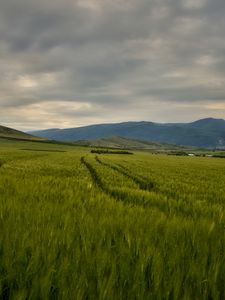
x: 74, y: 225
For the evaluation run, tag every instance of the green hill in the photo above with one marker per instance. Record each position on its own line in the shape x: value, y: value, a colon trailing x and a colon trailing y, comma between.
x: 10, y: 133
x: 118, y: 142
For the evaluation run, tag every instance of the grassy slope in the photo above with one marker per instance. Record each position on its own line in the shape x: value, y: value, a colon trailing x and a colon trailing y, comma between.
x: 6, y: 132
x: 125, y: 143
x: 67, y: 233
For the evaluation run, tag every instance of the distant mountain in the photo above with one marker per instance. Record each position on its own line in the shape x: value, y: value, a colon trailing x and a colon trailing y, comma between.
x: 6, y: 132
x: 208, y: 132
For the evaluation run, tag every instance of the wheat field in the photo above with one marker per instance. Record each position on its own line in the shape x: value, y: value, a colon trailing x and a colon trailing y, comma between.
x: 76, y: 225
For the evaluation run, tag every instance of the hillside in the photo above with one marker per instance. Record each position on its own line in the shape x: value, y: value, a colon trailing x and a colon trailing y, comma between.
x: 6, y: 132
x: 208, y: 132
x: 118, y: 142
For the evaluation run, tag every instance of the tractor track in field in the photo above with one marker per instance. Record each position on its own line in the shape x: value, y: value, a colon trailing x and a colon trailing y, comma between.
x: 114, y: 193
x: 120, y: 195
x: 165, y: 205
x: 143, y: 185
x: 94, y: 175
x: 138, y: 176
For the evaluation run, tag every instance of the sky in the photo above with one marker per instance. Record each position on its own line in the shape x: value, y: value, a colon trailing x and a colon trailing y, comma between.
x: 70, y: 63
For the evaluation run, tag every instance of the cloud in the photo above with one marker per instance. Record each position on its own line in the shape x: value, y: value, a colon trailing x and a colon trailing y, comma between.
x: 159, y: 60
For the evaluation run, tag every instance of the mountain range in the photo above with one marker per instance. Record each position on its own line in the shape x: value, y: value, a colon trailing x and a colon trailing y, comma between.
x: 208, y: 132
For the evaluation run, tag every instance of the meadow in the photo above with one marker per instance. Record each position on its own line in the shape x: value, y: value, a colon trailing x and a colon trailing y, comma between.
x: 81, y: 225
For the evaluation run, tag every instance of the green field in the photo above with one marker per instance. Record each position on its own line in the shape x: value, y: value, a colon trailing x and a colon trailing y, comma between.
x: 77, y: 225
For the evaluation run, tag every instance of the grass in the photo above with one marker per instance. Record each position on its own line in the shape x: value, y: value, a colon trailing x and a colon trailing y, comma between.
x: 77, y: 226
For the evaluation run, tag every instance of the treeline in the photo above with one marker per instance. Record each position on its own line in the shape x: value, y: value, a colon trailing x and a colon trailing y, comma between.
x: 106, y: 151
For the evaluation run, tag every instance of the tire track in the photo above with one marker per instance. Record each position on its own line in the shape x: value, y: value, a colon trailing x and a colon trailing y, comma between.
x: 144, y: 179
x: 121, y: 195
x: 115, y: 193
x: 94, y: 175
x: 155, y: 200
x: 143, y: 185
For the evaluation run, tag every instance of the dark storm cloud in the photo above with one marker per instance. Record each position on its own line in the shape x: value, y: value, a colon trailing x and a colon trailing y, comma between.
x: 74, y: 62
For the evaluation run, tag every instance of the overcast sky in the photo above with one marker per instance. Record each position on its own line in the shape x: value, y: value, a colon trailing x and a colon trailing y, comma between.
x: 68, y: 63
